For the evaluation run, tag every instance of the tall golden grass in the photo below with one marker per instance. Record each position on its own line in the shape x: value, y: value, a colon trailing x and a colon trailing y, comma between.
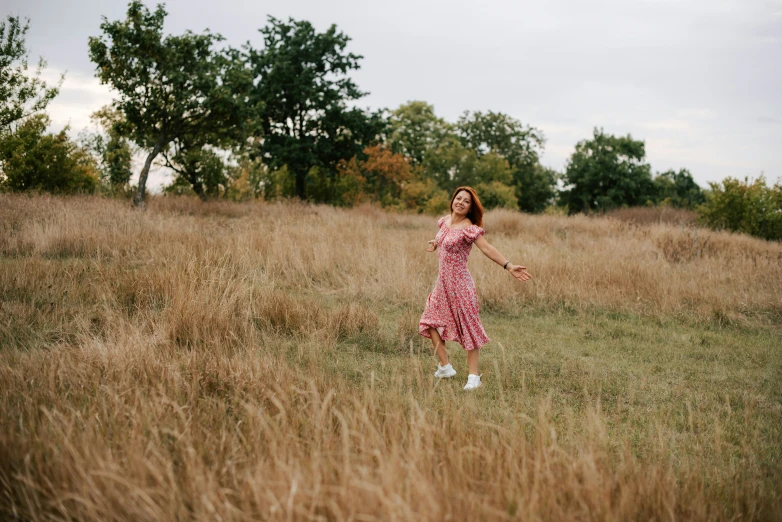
x: 227, y: 361
x: 654, y: 215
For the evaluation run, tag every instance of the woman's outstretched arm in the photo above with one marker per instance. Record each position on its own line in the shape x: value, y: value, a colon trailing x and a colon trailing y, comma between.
x: 517, y: 271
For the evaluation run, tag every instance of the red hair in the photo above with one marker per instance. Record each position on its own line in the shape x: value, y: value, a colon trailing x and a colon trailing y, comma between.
x: 475, y: 214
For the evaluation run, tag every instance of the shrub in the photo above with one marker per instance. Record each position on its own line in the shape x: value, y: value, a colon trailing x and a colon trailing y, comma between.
x: 111, y: 151
x: 677, y: 189
x: 31, y: 159
x: 423, y: 195
x: 536, y: 188
x: 497, y: 195
x: 438, y: 203
x: 740, y: 206
x: 276, y: 183
x: 386, y: 178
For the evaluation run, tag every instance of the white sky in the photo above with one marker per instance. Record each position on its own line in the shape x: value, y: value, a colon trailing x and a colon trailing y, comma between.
x: 699, y: 80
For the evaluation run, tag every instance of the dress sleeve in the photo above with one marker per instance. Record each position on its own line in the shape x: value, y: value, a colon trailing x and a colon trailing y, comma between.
x: 473, y: 232
x: 440, y: 222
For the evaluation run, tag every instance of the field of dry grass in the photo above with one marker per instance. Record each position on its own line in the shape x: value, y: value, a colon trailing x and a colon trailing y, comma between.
x: 654, y: 216
x: 230, y: 361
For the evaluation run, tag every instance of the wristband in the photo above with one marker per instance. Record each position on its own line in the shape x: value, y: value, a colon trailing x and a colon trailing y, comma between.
x: 505, y: 266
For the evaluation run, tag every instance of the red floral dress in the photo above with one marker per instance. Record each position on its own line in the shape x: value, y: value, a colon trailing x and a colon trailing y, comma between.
x: 452, y: 307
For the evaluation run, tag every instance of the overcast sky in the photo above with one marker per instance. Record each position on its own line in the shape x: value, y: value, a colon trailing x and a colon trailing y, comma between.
x: 700, y: 81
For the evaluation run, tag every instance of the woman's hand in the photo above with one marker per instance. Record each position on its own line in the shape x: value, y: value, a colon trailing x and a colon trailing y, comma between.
x: 432, y: 245
x: 519, y: 272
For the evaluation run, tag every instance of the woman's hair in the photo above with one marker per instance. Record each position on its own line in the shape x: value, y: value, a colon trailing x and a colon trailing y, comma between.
x: 475, y: 214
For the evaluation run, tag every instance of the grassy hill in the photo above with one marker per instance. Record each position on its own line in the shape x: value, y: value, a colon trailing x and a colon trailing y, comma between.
x: 230, y: 361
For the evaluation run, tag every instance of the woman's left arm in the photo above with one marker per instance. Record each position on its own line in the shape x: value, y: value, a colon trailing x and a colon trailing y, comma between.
x: 517, y: 271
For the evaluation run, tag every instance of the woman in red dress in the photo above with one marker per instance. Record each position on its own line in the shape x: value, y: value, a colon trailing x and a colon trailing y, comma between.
x: 451, y: 312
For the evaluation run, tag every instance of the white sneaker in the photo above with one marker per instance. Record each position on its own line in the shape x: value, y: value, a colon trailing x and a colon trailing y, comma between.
x: 445, y: 371
x: 473, y: 381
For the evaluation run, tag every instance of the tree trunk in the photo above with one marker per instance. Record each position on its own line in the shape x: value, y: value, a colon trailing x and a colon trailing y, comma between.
x: 138, y: 199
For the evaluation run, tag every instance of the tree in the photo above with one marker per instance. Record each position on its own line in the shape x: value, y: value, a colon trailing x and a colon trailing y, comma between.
x: 740, y: 206
x: 21, y: 94
x: 202, y: 169
x: 31, y: 159
x: 381, y: 178
x: 248, y: 179
x: 452, y: 164
x: 535, y: 187
x: 275, y: 183
x: 497, y: 195
x: 423, y: 195
x: 414, y: 129
x: 199, y: 158
x: 197, y: 164
x: 302, y: 92
x: 678, y: 189
x: 387, y: 178
x: 386, y: 174
x: 607, y: 172
x: 111, y: 150
x: 171, y: 87
x: 520, y: 146
x: 503, y: 135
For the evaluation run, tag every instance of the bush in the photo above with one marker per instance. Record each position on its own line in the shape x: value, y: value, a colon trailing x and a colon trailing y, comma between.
x: 179, y: 187
x: 388, y: 179
x: 277, y: 183
x: 111, y: 151
x: 497, y: 195
x: 31, y: 159
x: 424, y: 196
x: 200, y: 167
x: 740, y: 206
x: 438, y: 204
x: 677, y: 189
x: 536, y: 188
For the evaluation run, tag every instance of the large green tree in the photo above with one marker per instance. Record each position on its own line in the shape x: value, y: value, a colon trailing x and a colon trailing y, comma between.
x: 678, y: 189
x: 536, y: 187
x: 501, y: 134
x: 520, y: 145
x: 169, y: 87
x: 303, y: 96
x: 451, y: 165
x: 414, y: 130
x: 198, y: 157
x: 607, y: 172
x: 22, y: 94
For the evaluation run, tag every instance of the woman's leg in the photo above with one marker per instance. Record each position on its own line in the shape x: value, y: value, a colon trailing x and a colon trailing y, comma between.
x: 472, y: 360
x: 439, y: 347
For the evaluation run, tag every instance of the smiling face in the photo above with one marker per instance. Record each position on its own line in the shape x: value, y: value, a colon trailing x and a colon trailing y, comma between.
x: 461, y: 203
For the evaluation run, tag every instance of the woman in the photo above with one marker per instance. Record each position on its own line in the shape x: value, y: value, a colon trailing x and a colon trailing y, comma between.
x: 451, y: 312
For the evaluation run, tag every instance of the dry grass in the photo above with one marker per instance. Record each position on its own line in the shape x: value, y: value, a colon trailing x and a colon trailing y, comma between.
x: 655, y: 216
x: 260, y: 361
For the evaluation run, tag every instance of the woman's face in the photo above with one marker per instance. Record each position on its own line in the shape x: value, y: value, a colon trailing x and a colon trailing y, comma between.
x: 461, y: 203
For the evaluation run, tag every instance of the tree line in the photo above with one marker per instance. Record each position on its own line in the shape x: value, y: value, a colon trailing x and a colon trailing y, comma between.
x: 282, y: 121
